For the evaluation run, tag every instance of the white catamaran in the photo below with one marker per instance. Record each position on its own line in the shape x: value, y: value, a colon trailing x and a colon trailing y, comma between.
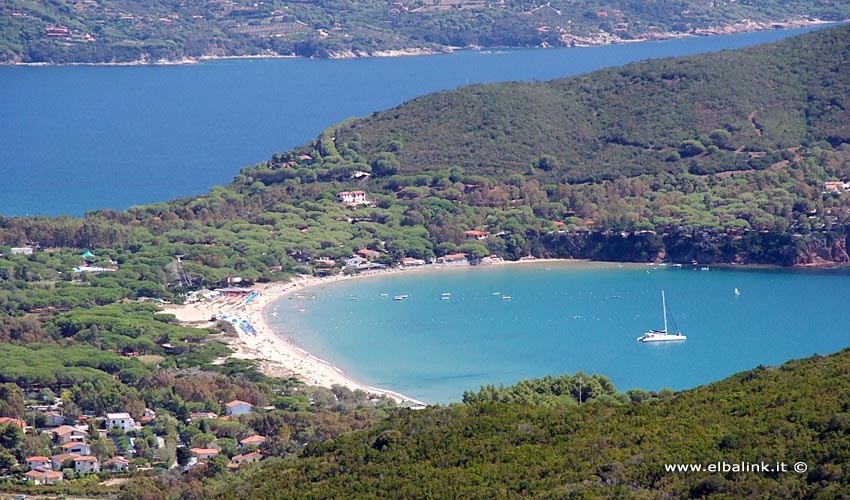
x: 661, y: 335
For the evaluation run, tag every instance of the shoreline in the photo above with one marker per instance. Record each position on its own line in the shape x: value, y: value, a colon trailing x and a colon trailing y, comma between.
x: 276, y: 355
x: 730, y: 29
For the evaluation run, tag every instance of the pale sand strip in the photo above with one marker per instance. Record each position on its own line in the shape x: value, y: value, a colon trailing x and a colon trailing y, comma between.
x: 276, y: 356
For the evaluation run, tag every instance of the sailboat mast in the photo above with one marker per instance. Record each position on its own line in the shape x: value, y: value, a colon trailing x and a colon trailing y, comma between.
x: 664, y: 307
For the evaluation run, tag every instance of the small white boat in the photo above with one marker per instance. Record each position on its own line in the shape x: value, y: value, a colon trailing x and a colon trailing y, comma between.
x: 400, y: 297
x: 737, y: 292
x: 661, y: 335
x: 506, y: 297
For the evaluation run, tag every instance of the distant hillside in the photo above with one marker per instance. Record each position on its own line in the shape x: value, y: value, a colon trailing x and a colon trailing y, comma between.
x: 105, y: 31
x: 724, y: 111
x: 794, y: 413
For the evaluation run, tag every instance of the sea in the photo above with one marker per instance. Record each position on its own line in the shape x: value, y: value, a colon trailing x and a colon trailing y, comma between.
x: 461, y: 328
x: 80, y: 138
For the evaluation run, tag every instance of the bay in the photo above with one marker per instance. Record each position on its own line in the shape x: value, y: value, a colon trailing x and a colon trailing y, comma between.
x: 562, y: 318
x: 78, y: 138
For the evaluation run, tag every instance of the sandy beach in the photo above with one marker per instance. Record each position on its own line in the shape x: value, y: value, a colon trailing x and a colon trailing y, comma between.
x: 275, y: 355
x: 278, y: 357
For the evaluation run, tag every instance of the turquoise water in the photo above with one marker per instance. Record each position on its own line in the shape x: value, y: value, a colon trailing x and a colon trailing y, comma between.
x: 78, y: 138
x: 564, y: 318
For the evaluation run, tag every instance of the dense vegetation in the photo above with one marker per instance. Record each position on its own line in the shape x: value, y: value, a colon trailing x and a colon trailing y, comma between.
x: 655, y: 161
x: 149, y: 31
x: 732, y: 110
x: 602, y: 449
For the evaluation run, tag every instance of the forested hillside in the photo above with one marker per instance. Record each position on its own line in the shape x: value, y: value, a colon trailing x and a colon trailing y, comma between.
x: 110, y: 31
x: 794, y: 413
x: 731, y: 110
x: 737, y: 157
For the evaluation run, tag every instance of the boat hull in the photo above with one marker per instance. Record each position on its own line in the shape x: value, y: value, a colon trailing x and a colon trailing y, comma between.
x: 660, y: 337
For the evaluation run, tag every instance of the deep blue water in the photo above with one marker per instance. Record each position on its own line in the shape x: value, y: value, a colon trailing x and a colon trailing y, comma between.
x: 78, y: 138
x: 564, y: 318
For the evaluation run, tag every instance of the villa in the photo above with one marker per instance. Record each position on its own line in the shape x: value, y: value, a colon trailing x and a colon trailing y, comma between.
x: 352, y: 198
x: 253, y: 441
x: 121, y: 420
x: 38, y: 462
x: 38, y: 477
x: 67, y: 434
x: 86, y: 465
x: 248, y: 458
x: 204, y: 454
x: 77, y: 448
x: 237, y: 407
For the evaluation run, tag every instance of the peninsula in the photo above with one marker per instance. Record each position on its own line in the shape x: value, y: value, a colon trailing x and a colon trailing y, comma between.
x: 735, y: 157
x: 168, y: 31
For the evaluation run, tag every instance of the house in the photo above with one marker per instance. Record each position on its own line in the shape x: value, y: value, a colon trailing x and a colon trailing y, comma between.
x: 38, y: 462
x: 204, y: 454
x: 22, y: 250
x: 368, y: 254
x: 355, y: 261
x: 476, y: 235
x: 116, y: 464
x: 121, y: 420
x: 78, y: 448
x: 57, y: 460
x: 13, y: 421
x: 57, y: 31
x: 86, y: 465
x: 248, y: 458
x: 149, y: 415
x: 253, y: 441
x: 411, y: 262
x: 201, y: 414
x: 453, y: 259
x: 327, y: 263
x: 38, y: 477
x: 53, y: 418
x: 67, y: 434
x: 352, y: 198
x: 237, y: 407
x: 835, y: 187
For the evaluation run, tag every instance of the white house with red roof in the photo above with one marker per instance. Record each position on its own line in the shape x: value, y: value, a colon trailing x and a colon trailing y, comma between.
x: 86, y: 465
x: 237, y: 407
x: 38, y: 462
x: 67, y: 434
x: 204, y: 454
x: 58, y: 460
x: 253, y: 441
x: 247, y: 458
x: 116, y: 463
x: 38, y: 477
x: 78, y: 448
